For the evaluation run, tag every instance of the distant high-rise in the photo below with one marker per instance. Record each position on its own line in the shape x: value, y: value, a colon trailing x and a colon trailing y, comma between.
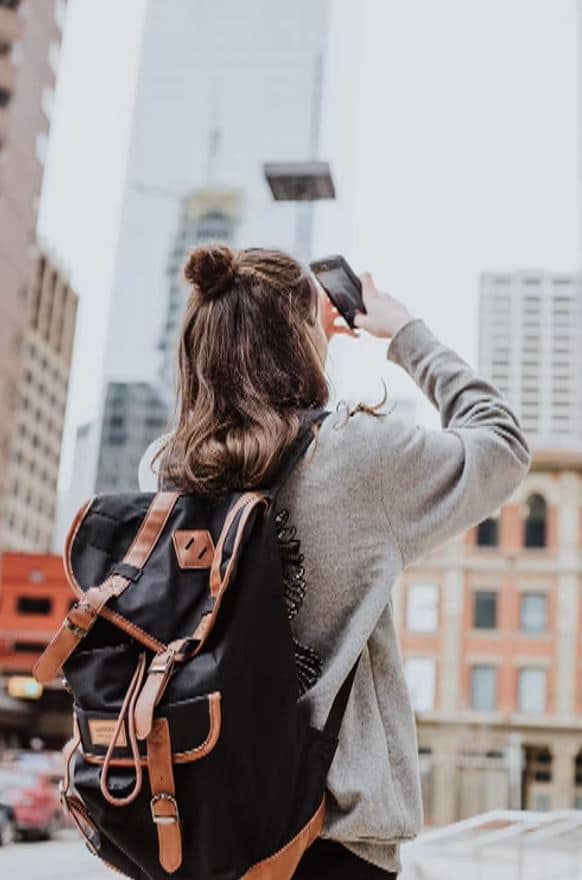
x: 30, y: 34
x: 530, y: 346
x: 134, y: 414
x: 27, y: 507
x: 206, y: 215
x: 223, y: 88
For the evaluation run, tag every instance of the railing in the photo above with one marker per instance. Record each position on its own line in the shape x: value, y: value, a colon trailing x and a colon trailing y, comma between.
x: 501, y: 844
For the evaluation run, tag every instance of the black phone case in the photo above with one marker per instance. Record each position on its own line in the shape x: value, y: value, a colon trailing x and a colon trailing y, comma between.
x: 357, y: 302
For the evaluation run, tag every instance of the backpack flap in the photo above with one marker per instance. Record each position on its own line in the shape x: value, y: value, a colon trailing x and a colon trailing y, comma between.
x: 99, y: 591
x: 155, y: 566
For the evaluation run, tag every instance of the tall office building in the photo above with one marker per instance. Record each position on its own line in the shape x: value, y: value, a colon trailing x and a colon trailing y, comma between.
x: 530, y: 346
x: 27, y: 506
x: 222, y: 89
x: 81, y: 486
x: 30, y: 32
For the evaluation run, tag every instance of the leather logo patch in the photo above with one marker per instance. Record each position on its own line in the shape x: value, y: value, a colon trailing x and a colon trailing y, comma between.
x: 102, y: 731
x: 194, y: 548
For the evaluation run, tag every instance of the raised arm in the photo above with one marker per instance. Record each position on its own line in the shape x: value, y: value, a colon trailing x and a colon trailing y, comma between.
x: 436, y: 483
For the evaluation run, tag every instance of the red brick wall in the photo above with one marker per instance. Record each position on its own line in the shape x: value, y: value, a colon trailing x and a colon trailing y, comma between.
x: 39, y: 577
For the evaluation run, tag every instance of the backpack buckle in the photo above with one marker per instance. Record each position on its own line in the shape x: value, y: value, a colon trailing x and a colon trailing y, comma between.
x: 81, y: 631
x: 162, y: 663
x: 163, y: 819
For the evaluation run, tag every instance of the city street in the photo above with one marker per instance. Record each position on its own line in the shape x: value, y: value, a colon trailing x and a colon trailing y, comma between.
x: 64, y: 858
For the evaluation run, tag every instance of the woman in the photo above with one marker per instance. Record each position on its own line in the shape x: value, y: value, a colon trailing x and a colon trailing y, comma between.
x: 373, y: 494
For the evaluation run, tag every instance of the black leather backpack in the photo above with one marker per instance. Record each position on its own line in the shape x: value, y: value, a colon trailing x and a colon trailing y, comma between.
x: 191, y: 754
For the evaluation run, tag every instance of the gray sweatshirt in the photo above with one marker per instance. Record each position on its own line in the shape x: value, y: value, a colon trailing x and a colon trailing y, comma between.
x: 371, y: 496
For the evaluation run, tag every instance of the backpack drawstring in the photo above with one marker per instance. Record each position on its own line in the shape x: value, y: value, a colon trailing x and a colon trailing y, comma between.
x: 127, y: 712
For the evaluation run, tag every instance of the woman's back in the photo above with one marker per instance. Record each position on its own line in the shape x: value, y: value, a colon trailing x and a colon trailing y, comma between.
x: 373, y: 494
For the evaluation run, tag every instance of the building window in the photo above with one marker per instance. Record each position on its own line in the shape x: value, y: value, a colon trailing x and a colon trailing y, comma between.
x: 541, y: 802
x: 531, y: 691
x: 420, y: 678
x: 5, y: 47
x: 422, y: 608
x: 33, y: 605
x: 483, y: 688
x: 535, y: 522
x: 5, y: 96
x: 9, y: 4
x: 487, y: 533
x: 215, y: 226
x: 533, y: 613
x: 485, y: 609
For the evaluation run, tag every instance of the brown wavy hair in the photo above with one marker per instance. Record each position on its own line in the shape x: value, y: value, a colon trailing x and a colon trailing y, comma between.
x: 248, y: 366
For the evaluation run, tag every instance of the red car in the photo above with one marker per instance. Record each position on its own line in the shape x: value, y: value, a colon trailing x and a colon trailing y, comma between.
x: 31, y: 803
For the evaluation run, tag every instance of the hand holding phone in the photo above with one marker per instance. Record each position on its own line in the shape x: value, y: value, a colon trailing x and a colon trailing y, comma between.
x: 331, y: 321
x: 342, y: 286
x: 359, y: 301
x: 384, y: 315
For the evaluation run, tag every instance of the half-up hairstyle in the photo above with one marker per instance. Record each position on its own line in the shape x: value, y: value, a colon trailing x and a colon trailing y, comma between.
x: 247, y: 367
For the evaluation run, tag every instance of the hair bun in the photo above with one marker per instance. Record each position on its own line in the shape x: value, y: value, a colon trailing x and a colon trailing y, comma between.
x: 212, y: 269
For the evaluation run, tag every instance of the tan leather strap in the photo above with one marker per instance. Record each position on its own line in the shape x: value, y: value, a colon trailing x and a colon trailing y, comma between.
x: 248, y: 501
x: 80, y: 619
x: 83, y: 615
x: 83, y: 822
x: 157, y: 679
x: 218, y: 584
x: 151, y: 528
x: 163, y: 803
x: 127, y: 712
x: 282, y: 865
x: 70, y: 803
x: 69, y: 750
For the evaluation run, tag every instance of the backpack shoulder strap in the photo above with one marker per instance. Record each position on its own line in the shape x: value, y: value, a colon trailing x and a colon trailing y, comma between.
x: 297, y: 449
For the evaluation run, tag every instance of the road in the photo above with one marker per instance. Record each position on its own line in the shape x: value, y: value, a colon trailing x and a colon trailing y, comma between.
x: 64, y: 858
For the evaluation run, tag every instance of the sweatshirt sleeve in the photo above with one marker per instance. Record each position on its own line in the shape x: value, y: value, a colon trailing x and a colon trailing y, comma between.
x: 437, y: 483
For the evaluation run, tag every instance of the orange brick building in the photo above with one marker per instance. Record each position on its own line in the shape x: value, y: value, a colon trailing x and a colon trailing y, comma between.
x: 491, y: 635
x: 34, y: 598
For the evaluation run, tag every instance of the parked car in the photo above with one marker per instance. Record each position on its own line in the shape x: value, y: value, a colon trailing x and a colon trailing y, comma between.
x: 31, y: 802
x: 51, y: 764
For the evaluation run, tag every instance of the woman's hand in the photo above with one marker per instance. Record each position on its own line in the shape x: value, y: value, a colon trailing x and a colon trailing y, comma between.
x: 331, y: 321
x: 385, y: 314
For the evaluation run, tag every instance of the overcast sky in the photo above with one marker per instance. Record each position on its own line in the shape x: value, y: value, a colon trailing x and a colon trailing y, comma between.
x: 451, y: 127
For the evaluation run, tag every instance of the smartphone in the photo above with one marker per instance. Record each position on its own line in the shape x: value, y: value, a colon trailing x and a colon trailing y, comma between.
x: 341, y: 284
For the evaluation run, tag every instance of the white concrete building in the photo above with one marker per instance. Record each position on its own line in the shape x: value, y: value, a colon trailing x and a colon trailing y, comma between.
x: 530, y: 346
x: 221, y: 90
